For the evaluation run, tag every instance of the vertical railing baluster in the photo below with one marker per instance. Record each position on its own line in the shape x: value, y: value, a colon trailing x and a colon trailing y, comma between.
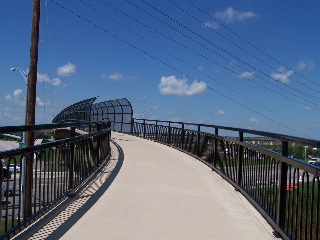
x: 182, y: 136
x: 240, y: 160
x: 198, y: 141
x: 216, y: 154
x: 282, y: 187
x: 144, y: 128
x: 71, y: 162
x: 169, y: 134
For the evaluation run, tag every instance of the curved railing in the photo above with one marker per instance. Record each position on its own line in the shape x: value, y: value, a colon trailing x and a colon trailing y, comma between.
x: 286, y: 191
x: 60, y: 168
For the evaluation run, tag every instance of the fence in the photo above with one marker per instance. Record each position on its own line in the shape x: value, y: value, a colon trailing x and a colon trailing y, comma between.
x: 60, y: 168
x: 286, y: 191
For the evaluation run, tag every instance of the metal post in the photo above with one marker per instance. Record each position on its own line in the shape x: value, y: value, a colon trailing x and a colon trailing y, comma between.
x: 23, y: 160
x: 132, y: 125
x: 216, y: 154
x: 169, y: 134
x: 100, y: 127
x: 198, y: 141
x: 71, y: 162
x: 182, y: 136
x: 282, y: 187
x: 240, y: 159
x: 144, y: 128
x: 156, y: 130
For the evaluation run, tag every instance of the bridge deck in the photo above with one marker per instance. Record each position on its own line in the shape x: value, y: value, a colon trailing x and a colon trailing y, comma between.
x: 158, y: 192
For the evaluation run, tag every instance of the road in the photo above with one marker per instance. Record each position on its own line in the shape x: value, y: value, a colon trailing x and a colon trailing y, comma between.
x: 7, y: 145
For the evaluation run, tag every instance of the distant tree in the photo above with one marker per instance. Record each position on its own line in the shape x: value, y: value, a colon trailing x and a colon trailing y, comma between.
x: 297, y: 151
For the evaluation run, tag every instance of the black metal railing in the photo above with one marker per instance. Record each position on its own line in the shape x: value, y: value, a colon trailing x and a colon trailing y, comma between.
x: 286, y: 191
x: 60, y: 167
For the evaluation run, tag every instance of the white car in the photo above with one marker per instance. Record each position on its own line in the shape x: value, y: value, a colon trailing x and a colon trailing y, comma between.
x: 314, y: 160
x: 13, y: 166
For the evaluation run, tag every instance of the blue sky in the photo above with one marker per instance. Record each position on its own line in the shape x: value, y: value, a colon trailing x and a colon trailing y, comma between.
x: 247, y: 64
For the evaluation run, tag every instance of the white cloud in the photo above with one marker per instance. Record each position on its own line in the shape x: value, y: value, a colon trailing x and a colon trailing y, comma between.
x: 253, y: 120
x: 9, y: 97
x: 17, y: 95
x: 231, y: 15
x: 200, y: 68
x: 67, y: 70
x: 214, y: 25
x: 56, y: 82
x: 303, y: 65
x: 246, y: 75
x: 179, y: 87
x: 114, y: 77
x: 39, y: 103
x: 221, y: 112
x: 45, y: 78
x: 282, y: 75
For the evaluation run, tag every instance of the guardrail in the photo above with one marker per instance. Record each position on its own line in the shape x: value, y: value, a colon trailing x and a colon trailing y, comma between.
x: 59, y: 169
x: 286, y: 191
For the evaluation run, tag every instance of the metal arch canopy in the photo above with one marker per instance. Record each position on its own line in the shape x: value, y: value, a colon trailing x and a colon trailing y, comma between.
x: 118, y: 111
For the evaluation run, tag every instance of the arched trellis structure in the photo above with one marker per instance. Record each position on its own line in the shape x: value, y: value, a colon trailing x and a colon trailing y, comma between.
x: 119, y: 112
x: 77, y: 112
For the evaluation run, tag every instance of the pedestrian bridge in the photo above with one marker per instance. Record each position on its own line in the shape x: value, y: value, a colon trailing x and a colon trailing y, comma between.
x: 164, y: 180
x: 152, y: 191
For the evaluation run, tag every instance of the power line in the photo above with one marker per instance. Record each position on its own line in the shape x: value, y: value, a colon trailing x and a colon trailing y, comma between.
x: 295, y: 97
x: 164, y: 63
x: 251, y: 44
x: 225, y: 51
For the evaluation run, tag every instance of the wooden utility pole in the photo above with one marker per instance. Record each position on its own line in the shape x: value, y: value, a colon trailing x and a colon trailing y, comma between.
x: 31, y: 105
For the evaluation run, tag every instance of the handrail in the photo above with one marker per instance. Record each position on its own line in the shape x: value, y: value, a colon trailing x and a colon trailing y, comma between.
x: 284, y: 190
x: 60, y: 168
x: 309, y: 142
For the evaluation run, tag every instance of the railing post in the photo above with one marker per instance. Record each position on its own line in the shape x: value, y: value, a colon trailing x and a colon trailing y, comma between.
x: 240, y: 160
x: 216, y: 154
x: 198, y: 141
x: 99, y: 128
x: 156, y: 130
x: 182, y: 136
x: 144, y: 128
x: 169, y: 134
x: 72, y: 155
x: 282, y: 187
x: 132, y: 125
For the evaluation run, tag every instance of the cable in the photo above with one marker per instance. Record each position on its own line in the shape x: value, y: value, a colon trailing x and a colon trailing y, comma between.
x: 296, y: 99
x: 251, y: 44
x: 225, y: 51
x: 164, y: 63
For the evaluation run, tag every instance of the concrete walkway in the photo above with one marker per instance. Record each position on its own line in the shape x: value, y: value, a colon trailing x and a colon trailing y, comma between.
x: 157, y: 192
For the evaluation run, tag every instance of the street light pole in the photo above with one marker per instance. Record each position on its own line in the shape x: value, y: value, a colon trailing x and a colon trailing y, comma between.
x: 25, y: 76
x: 23, y: 160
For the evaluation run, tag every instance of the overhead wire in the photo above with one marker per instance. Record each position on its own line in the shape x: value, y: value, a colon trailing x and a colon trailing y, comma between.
x: 225, y: 51
x: 166, y: 64
x: 248, y: 42
x: 179, y: 59
x: 295, y: 97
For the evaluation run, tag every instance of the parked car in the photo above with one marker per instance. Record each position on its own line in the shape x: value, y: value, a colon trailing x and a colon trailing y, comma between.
x: 6, y: 174
x: 14, y: 166
x: 314, y: 160
x: 8, y: 191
